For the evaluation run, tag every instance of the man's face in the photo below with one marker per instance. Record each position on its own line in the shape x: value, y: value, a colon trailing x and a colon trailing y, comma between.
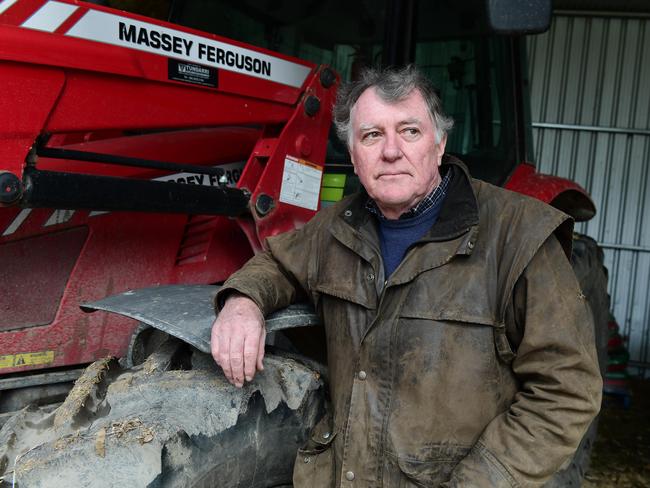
x: 394, y: 151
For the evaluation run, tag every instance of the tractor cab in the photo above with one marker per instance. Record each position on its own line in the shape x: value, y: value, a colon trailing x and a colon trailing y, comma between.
x: 473, y: 53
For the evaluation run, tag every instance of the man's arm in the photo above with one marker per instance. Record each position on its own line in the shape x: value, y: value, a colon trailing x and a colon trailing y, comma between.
x: 269, y: 281
x: 561, y: 385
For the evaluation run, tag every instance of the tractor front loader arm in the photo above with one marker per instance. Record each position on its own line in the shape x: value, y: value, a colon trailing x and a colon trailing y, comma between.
x: 76, y: 74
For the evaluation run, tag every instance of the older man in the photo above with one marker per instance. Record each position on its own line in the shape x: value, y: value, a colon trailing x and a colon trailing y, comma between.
x: 460, y: 348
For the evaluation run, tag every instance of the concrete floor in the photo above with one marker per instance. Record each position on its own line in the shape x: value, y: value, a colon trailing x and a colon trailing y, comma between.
x: 621, y: 456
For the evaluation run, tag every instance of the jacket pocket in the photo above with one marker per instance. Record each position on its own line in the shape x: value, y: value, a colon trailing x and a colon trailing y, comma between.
x: 430, y: 470
x: 315, y: 466
x: 353, y: 293
x: 458, y: 317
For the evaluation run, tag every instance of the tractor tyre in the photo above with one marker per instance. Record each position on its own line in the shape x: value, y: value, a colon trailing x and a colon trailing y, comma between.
x: 587, y: 261
x: 173, y: 421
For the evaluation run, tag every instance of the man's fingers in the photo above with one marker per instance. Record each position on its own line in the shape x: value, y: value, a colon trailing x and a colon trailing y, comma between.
x: 250, y: 355
x: 214, y: 346
x: 260, y: 349
x: 220, y: 348
x: 237, y: 359
x: 224, y: 357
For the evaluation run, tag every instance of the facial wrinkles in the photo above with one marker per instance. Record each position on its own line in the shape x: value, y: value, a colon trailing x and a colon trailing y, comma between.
x: 438, y: 134
x: 395, y: 156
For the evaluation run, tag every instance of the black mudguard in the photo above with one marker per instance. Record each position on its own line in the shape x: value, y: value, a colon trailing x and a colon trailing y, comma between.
x: 187, y: 311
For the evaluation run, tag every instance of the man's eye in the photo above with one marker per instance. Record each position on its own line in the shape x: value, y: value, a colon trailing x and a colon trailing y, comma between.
x: 410, y: 131
x: 368, y: 136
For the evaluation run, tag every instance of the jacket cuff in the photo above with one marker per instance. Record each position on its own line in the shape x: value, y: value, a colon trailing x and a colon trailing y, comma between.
x: 480, y: 469
x: 227, y: 290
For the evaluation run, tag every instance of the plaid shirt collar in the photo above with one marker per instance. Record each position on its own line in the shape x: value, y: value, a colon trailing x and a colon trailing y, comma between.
x: 425, y: 204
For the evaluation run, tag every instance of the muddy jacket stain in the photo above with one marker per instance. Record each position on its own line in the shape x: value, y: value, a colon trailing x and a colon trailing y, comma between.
x: 472, y: 365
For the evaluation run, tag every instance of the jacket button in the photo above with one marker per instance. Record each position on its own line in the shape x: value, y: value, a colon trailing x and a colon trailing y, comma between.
x: 326, y: 435
x: 348, y: 213
x: 361, y: 375
x: 349, y: 476
x: 470, y: 245
x: 370, y: 277
x: 306, y: 459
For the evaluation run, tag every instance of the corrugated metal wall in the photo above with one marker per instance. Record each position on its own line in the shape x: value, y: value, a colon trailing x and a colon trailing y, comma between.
x: 590, y: 87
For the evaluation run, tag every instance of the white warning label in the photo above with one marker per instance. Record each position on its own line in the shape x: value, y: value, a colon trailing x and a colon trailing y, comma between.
x: 300, y: 183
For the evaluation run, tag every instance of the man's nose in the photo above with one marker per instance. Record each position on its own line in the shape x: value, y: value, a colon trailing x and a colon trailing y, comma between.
x: 391, y: 150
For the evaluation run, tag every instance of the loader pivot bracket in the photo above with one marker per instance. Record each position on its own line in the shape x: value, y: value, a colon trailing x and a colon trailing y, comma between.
x: 10, y: 188
x: 187, y: 311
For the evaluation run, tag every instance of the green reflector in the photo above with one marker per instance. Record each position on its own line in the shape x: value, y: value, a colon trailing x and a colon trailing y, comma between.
x: 331, y: 194
x: 616, y: 376
x: 333, y: 180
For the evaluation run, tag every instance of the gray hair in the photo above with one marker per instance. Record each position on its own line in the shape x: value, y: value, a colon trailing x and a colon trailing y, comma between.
x: 392, y: 85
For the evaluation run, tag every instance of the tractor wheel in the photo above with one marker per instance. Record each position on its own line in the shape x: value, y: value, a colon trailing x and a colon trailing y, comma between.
x: 173, y: 421
x: 587, y: 262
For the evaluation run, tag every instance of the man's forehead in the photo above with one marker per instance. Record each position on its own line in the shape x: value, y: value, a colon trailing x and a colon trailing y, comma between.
x: 404, y: 121
x: 371, y: 109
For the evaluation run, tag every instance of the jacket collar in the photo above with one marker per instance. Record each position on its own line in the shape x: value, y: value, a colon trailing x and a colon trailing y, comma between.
x: 459, y: 210
x: 457, y: 224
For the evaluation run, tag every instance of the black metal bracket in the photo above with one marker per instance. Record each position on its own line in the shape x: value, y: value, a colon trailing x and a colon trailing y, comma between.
x: 79, y: 191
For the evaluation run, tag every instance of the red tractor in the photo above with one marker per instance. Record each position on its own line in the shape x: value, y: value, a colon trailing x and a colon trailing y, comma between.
x: 145, y: 161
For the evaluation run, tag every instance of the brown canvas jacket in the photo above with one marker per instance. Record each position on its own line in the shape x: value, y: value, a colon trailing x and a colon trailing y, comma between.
x: 472, y: 365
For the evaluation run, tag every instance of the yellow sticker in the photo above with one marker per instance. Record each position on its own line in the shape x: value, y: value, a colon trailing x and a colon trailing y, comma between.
x: 26, y: 359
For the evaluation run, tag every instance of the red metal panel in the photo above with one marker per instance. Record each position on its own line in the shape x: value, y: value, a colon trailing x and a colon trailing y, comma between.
x: 28, y: 93
x: 34, y: 274
x: 123, y: 251
x: 526, y: 180
x: 20, y: 11
x: 127, y: 103
x: 551, y: 190
x: 227, y: 249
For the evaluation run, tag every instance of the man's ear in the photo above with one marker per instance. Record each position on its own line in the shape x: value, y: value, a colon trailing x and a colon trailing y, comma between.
x: 354, y: 165
x: 443, y: 143
x: 441, y: 147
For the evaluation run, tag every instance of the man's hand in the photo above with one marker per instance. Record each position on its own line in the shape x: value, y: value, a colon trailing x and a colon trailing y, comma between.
x: 237, y: 340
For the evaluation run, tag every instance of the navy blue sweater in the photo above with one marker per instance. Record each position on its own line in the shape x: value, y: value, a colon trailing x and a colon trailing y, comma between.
x: 396, y: 236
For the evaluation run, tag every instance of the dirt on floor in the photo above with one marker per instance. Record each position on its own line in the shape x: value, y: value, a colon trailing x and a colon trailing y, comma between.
x: 621, y: 456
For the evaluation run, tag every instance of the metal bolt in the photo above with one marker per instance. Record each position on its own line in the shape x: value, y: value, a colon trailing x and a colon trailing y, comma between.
x: 264, y: 204
x: 327, y: 77
x: 10, y: 187
x: 312, y: 105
